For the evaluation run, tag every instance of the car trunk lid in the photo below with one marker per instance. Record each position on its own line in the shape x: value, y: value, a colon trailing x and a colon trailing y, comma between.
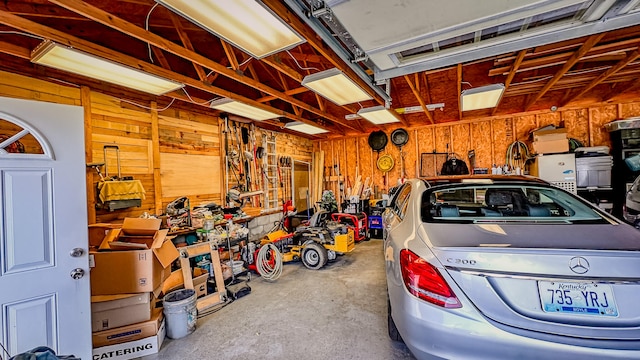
x: 566, y: 284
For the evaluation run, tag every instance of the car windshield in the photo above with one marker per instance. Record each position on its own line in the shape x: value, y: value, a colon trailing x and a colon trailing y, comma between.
x: 481, y: 203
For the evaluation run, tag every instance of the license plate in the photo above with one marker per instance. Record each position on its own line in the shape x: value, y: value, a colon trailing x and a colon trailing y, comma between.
x: 577, y: 298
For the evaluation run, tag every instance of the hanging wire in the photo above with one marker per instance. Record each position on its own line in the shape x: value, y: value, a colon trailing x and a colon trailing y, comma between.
x: 146, y: 27
x: 195, y: 102
x: 301, y: 68
x: 22, y: 33
x: 146, y: 107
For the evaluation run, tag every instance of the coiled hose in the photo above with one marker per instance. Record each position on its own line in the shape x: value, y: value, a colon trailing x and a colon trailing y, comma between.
x: 269, y: 262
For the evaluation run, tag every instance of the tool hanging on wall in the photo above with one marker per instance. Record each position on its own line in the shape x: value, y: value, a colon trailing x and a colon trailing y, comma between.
x: 257, y: 179
x: 239, y: 156
x: 248, y: 156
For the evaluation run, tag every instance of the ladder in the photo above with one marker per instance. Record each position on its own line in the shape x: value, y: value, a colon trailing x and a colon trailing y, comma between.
x: 270, y: 170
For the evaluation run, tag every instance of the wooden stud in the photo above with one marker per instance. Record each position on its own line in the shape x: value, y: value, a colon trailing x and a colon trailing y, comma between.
x: 589, y: 125
x: 155, y: 143
x: 85, y: 99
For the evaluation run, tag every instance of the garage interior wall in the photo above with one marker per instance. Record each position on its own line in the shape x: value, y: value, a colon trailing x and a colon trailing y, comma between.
x: 583, y: 124
x: 186, y: 159
x: 174, y: 152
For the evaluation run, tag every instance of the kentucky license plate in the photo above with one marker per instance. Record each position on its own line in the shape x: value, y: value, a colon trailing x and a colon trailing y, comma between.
x: 577, y: 298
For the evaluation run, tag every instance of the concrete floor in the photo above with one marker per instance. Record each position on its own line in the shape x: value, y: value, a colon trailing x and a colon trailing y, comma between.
x: 338, y: 312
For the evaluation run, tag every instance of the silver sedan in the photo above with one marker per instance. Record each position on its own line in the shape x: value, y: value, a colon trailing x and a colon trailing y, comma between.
x: 509, y: 267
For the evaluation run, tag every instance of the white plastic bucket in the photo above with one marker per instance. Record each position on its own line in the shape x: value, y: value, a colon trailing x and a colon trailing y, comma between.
x: 181, y: 313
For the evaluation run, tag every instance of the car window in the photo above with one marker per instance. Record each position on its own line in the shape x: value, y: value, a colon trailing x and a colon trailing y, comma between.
x: 505, y: 202
x: 401, y: 200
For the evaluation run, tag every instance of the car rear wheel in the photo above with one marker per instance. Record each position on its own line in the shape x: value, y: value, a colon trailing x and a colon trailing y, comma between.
x: 391, y: 325
x: 314, y: 256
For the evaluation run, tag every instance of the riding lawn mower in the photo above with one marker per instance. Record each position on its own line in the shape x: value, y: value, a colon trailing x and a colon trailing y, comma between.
x: 314, y: 241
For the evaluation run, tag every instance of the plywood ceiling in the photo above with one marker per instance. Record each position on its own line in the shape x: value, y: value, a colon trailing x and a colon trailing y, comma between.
x: 577, y: 72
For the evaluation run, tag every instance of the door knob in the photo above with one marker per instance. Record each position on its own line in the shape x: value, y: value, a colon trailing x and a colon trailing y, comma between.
x: 77, y: 273
x: 77, y: 252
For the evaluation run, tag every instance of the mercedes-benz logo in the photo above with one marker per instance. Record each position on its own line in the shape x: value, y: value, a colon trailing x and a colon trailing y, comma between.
x: 579, y: 265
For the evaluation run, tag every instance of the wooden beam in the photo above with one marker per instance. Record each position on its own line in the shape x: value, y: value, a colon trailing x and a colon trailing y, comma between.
x: 85, y: 99
x: 279, y: 8
x: 175, y: 19
x: 612, y: 70
x: 288, y: 92
x: 155, y: 143
x: 228, y: 50
x: 276, y: 63
x: 87, y: 46
x: 15, y: 50
x: 161, y: 58
x: 309, y: 57
x: 416, y: 93
x: 586, y: 46
x: 512, y: 73
x: 627, y: 87
x: 137, y: 32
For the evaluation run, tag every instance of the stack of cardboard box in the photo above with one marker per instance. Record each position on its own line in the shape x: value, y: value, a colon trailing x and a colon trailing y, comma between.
x: 127, y: 273
x: 550, y: 141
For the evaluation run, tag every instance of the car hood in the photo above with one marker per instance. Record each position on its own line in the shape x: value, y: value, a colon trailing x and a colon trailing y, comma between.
x: 502, y: 269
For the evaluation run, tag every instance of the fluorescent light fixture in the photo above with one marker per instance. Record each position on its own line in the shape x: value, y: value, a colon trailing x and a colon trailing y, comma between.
x: 481, y: 97
x: 247, y: 24
x: 304, y: 128
x: 74, y: 61
x: 332, y: 84
x: 378, y: 115
x: 242, y: 109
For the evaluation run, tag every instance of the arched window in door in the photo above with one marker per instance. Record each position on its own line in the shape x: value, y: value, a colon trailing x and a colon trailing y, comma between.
x: 18, y: 138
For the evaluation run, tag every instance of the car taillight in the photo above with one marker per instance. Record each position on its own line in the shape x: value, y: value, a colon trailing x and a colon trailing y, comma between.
x: 424, y: 281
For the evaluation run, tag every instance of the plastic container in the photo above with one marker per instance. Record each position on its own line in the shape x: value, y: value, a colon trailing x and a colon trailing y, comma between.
x: 181, y: 313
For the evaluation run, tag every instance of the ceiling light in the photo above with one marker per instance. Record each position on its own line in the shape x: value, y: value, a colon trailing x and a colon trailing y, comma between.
x: 247, y: 24
x: 74, y: 61
x: 332, y: 84
x: 378, y: 115
x: 304, y: 128
x: 242, y: 109
x: 482, y: 97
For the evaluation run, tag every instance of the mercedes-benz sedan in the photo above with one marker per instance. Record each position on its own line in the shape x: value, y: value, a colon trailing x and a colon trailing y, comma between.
x: 506, y: 267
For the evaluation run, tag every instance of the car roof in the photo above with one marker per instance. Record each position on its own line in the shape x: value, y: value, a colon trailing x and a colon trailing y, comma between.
x: 481, y: 179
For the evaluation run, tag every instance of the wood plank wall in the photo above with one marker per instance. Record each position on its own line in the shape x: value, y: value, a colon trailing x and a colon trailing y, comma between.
x: 173, y: 152
x: 489, y: 138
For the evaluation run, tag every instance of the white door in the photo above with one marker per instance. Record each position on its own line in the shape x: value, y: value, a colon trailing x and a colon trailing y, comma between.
x: 43, y: 230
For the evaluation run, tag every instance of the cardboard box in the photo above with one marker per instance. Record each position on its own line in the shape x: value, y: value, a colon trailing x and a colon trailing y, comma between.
x: 132, y: 349
x: 128, y: 333
x: 112, y: 311
x: 97, y: 233
x: 550, y: 135
x: 132, y: 271
x: 551, y: 147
